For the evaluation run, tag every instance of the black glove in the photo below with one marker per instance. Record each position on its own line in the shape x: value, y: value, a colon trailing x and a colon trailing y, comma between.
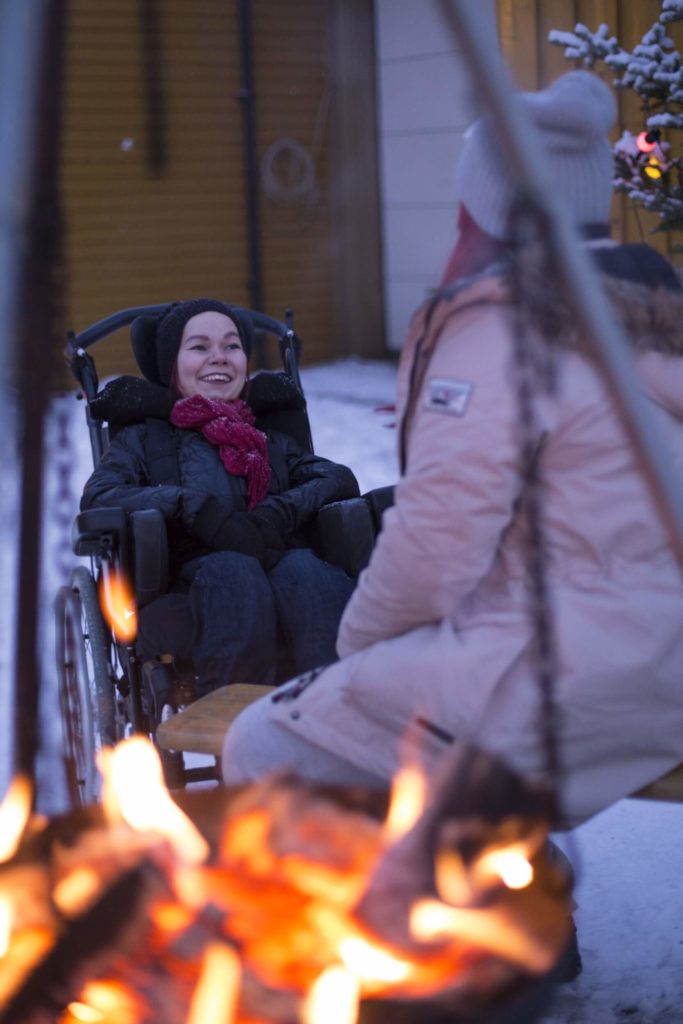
x: 224, y: 528
x: 273, y: 540
x: 131, y: 400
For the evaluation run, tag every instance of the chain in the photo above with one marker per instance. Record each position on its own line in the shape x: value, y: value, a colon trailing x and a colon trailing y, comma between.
x: 536, y: 374
x: 62, y: 462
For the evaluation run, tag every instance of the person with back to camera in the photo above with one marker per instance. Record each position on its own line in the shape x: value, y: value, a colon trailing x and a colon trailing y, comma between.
x: 234, y: 513
x: 439, y: 624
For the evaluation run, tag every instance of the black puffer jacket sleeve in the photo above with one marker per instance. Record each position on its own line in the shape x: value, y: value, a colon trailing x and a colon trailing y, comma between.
x: 121, y: 479
x: 312, y: 482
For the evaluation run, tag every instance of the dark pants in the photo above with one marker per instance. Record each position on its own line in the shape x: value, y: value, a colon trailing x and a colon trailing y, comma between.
x: 228, y: 618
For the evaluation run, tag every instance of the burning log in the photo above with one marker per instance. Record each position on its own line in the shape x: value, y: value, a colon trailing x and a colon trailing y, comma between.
x: 283, y: 902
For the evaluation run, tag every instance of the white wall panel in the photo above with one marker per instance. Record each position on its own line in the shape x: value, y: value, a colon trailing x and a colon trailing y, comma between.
x: 425, y: 102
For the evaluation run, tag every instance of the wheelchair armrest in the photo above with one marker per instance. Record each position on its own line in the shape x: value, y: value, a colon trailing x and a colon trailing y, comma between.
x: 98, y: 528
x: 150, y: 555
x: 379, y: 500
x: 344, y: 534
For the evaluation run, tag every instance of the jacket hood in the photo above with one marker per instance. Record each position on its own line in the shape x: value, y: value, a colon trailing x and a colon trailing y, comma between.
x: 645, y: 293
x: 643, y: 288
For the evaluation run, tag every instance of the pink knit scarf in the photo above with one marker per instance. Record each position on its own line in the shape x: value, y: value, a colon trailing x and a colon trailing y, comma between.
x: 230, y: 425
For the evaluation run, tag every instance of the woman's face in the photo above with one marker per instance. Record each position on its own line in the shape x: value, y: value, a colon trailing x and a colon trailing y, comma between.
x: 211, y: 361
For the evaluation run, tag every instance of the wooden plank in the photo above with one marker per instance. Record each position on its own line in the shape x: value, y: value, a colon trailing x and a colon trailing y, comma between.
x: 355, y: 195
x: 202, y: 726
x: 518, y: 32
x: 553, y: 14
x: 669, y: 788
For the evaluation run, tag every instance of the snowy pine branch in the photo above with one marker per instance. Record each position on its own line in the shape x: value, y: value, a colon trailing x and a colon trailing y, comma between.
x: 672, y: 10
x: 586, y: 46
x: 653, y: 69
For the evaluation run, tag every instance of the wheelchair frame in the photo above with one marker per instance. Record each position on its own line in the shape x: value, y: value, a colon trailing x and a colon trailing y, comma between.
x: 100, y: 678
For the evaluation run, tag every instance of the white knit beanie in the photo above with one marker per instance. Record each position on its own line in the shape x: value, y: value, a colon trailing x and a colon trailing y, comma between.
x: 573, y: 118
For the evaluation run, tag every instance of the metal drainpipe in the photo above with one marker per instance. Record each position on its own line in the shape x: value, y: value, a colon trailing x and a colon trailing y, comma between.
x: 248, y: 101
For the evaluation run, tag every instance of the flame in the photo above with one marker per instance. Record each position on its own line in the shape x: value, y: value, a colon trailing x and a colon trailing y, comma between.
x: 74, y: 893
x: 459, y: 883
x: 511, y: 866
x: 6, y: 917
x: 332, y: 998
x: 102, y: 1002
x: 118, y: 604
x: 493, y: 929
x: 215, y: 997
x: 134, y: 790
x: 370, y: 963
x: 171, y: 917
x: 408, y: 796
x: 83, y: 1012
x: 14, y: 815
x: 288, y: 899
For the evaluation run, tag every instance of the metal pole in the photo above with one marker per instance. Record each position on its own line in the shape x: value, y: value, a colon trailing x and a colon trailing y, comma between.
x: 34, y: 325
x: 248, y: 100
x: 21, y: 47
x: 518, y: 139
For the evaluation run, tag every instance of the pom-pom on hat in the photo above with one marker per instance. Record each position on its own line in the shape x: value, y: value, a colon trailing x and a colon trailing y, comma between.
x: 156, y: 340
x: 573, y: 118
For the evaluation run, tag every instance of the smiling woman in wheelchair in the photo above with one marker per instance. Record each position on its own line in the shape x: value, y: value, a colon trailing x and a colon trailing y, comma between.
x: 236, y: 501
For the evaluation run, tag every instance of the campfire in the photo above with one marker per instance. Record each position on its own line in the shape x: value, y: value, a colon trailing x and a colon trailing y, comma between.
x: 280, y: 902
x: 276, y: 902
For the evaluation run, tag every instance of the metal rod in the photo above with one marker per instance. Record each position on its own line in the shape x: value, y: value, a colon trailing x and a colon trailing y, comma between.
x: 248, y: 100
x: 37, y: 289
x: 518, y: 139
x: 20, y: 50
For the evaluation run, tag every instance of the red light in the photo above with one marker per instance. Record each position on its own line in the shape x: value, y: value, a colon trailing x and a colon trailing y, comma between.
x: 643, y: 143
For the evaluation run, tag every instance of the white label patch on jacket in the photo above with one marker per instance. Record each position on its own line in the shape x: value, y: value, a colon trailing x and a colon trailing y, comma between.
x: 444, y: 394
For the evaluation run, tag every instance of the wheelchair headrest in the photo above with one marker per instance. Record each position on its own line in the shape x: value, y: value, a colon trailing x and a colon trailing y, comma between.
x: 127, y: 400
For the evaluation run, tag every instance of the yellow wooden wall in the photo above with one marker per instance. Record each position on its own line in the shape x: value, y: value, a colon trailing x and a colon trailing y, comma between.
x: 136, y: 234
x: 523, y: 28
x: 140, y: 233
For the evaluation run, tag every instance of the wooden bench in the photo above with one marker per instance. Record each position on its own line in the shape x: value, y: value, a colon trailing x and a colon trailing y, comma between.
x: 201, y: 728
x: 669, y: 787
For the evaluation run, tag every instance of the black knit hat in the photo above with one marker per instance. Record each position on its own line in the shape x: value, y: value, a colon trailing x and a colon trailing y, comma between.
x: 156, y: 340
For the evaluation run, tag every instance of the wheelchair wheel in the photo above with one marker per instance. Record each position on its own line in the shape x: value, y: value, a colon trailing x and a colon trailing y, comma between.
x: 86, y: 687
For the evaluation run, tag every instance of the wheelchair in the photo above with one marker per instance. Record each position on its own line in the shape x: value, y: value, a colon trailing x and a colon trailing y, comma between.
x: 106, y: 691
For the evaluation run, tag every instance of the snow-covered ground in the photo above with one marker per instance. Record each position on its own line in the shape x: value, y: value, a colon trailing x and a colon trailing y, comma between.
x: 630, y: 858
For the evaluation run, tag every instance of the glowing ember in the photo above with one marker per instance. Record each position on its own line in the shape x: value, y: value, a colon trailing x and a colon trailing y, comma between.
x: 495, y: 930
x: 215, y: 998
x: 74, y: 893
x: 81, y: 1012
x: 14, y: 815
x: 172, y: 917
x: 134, y: 790
x: 306, y: 903
x: 513, y: 868
x: 408, y: 795
x: 332, y: 999
x: 118, y: 604
x: 102, y: 1002
x: 6, y: 916
x: 369, y: 963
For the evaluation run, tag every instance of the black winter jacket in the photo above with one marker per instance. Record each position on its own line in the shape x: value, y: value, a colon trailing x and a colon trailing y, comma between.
x: 300, y: 485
